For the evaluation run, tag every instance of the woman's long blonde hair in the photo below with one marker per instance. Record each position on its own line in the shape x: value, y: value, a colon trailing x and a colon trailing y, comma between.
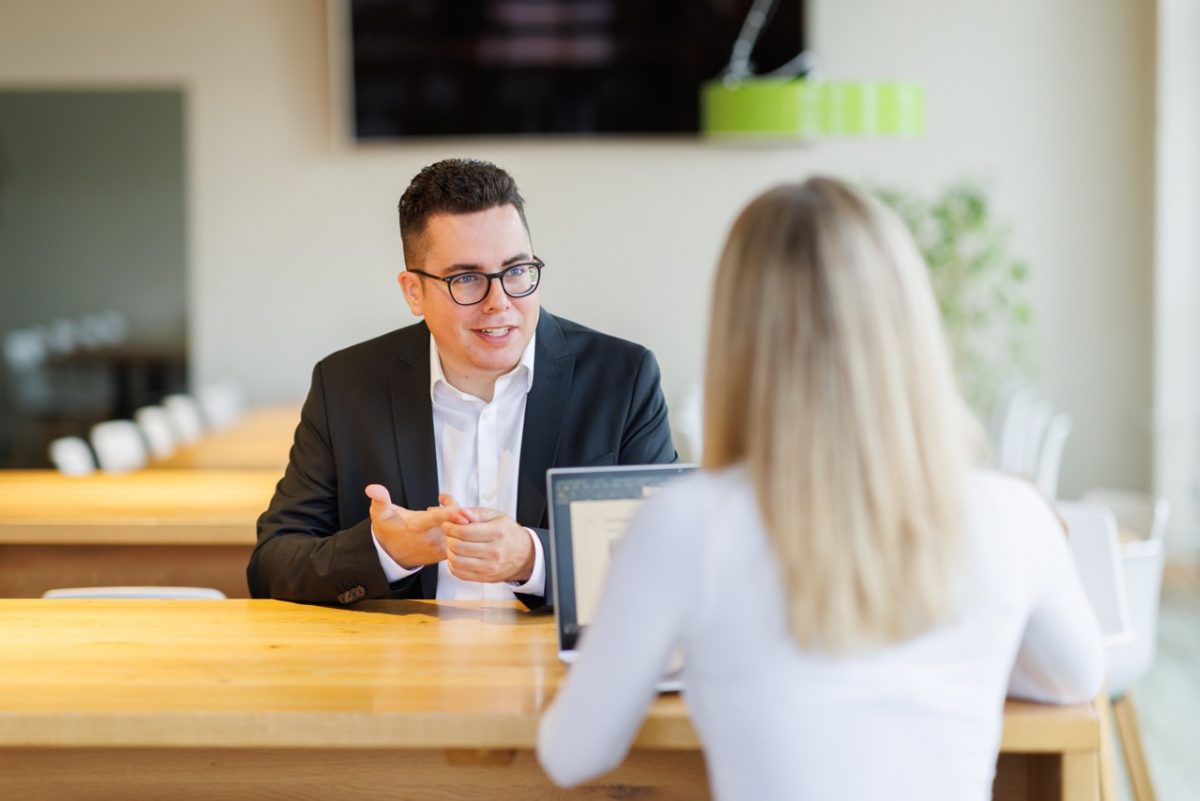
x: 829, y: 378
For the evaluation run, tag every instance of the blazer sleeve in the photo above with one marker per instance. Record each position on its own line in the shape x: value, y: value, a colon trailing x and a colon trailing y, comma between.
x: 303, y: 554
x: 646, y: 438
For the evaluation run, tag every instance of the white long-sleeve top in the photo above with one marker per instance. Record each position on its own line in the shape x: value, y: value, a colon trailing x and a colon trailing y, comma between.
x: 920, y: 719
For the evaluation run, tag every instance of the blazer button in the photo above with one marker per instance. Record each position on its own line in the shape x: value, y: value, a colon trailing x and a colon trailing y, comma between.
x: 350, y: 596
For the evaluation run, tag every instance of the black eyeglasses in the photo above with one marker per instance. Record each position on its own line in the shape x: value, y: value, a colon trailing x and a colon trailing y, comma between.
x: 467, y: 289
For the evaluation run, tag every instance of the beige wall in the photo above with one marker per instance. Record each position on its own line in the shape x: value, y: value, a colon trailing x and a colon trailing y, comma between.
x: 1177, y: 285
x: 293, y: 239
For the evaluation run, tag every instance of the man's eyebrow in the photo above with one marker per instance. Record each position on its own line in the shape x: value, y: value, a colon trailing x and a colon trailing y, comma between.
x: 475, y: 268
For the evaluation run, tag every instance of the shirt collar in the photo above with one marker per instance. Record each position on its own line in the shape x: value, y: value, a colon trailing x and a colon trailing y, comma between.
x: 437, y: 375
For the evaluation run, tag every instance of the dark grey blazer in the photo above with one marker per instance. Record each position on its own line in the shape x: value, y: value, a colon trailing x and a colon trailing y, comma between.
x: 368, y: 419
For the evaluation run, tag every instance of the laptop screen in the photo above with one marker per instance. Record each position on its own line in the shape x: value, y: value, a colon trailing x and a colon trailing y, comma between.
x: 590, y: 508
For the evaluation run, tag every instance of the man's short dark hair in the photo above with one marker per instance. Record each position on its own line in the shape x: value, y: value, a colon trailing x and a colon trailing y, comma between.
x: 453, y: 186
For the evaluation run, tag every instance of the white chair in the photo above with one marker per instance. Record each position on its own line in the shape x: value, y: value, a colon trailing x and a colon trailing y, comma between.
x: 160, y: 593
x: 110, y: 327
x: 185, y: 417
x: 60, y: 335
x: 1092, y: 538
x: 71, y: 456
x: 119, y: 446
x: 1013, y: 430
x: 25, y: 355
x: 1143, y: 522
x: 1050, y: 456
x: 221, y: 402
x: 1036, y: 427
x: 156, y: 428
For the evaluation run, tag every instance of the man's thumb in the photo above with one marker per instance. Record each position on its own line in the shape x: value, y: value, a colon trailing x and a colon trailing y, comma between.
x: 378, y: 494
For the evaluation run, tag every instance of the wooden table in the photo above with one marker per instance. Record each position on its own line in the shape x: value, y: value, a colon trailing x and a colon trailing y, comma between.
x: 174, y: 527
x: 261, y: 437
x: 400, y: 699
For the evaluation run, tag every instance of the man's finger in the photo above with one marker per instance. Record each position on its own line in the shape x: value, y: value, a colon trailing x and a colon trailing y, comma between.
x: 472, y: 532
x: 469, y: 568
x: 381, y: 503
x: 482, y: 514
x: 378, y: 492
x: 473, y: 550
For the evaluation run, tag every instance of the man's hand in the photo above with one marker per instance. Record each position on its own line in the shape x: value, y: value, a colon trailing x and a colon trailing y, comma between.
x: 488, y: 546
x: 412, y: 538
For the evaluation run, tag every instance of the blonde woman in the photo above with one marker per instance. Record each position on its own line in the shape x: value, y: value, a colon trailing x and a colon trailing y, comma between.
x: 853, y: 598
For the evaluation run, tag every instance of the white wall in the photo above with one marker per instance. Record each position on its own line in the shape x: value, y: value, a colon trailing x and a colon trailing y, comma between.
x: 1177, y: 291
x: 293, y: 234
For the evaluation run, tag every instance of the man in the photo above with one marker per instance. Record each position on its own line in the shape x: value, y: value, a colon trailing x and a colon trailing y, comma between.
x: 418, y: 468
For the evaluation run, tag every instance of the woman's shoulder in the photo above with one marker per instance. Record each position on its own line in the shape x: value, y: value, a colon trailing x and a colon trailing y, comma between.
x: 697, y: 496
x: 703, y: 487
x: 992, y: 486
x: 1011, y: 505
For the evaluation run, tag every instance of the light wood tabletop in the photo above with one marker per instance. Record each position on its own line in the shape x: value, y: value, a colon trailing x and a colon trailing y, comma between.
x: 439, y: 699
x: 260, y: 438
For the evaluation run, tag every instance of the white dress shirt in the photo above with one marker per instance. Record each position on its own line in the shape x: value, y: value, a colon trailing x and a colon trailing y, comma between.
x: 478, y: 446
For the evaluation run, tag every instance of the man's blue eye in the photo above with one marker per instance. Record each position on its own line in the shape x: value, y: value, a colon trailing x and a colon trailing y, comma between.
x: 518, y: 270
x: 467, y: 280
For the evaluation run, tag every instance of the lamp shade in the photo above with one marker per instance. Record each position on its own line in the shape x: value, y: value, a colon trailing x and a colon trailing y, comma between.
x: 796, y: 108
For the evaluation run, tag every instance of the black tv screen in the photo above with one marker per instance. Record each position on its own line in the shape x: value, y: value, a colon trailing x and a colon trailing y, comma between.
x: 487, y: 67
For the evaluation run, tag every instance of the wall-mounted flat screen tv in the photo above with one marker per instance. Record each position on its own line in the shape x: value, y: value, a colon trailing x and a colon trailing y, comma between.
x: 504, y: 67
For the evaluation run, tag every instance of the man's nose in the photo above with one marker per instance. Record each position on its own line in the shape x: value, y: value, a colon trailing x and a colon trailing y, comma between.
x: 496, y: 299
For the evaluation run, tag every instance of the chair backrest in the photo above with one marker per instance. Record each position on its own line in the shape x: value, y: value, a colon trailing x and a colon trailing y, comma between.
x: 1014, y: 430
x: 1137, y: 513
x: 119, y: 446
x: 155, y: 425
x: 1038, y: 424
x: 1142, y: 557
x: 60, y: 335
x: 1050, y: 457
x: 25, y: 355
x: 161, y: 593
x: 1092, y: 537
x: 221, y: 402
x: 72, y: 456
x: 185, y: 418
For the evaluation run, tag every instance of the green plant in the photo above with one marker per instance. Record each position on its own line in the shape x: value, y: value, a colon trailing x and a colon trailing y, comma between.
x: 980, y: 287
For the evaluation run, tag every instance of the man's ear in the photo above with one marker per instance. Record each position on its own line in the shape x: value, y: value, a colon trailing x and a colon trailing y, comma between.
x: 410, y: 287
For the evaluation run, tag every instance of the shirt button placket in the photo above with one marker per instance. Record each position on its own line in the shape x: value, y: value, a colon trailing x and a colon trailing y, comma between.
x: 488, y: 457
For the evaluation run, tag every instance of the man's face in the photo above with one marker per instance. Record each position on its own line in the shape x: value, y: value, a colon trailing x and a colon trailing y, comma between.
x: 482, y: 342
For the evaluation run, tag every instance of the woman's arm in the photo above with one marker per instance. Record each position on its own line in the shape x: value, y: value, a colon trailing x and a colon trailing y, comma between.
x: 651, y: 583
x: 1061, y: 657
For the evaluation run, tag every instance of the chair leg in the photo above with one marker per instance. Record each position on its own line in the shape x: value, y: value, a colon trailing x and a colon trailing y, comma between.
x: 1131, y: 745
x: 1107, y: 766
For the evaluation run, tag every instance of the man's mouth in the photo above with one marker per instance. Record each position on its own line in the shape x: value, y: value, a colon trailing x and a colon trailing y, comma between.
x: 497, y: 333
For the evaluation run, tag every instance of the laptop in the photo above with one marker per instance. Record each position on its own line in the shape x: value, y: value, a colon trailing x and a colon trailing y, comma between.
x: 590, y: 509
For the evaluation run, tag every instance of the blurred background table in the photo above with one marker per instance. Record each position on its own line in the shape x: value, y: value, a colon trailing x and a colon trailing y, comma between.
x: 169, y: 527
x: 261, y: 438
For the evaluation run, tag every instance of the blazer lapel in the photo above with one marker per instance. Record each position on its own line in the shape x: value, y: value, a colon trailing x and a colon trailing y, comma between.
x: 412, y: 421
x: 553, y: 369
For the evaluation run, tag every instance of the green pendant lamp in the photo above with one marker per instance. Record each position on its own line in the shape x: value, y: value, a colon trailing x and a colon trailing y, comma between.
x: 789, y: 104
